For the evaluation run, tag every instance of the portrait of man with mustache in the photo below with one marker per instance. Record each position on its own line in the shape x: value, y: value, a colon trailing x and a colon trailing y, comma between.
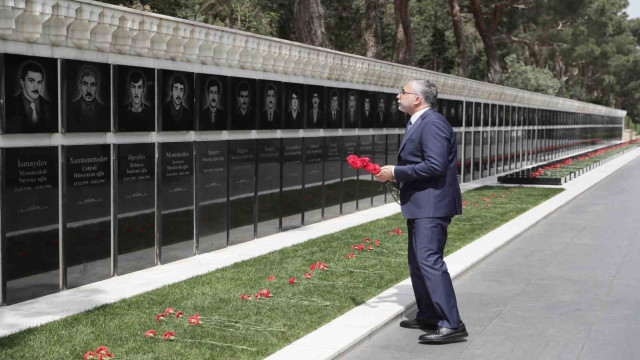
x: 270, y: 113
x: 212, y: 115
x: 177, y: 112
x: 29, y: 111
x: 87, y: 112
x: 243, y: 117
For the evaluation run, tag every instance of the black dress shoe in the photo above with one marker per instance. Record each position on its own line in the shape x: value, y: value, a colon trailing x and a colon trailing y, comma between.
x: 419, y: 324
x: 444, y: 335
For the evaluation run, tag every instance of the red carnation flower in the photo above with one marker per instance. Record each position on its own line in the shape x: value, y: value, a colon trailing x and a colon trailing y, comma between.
x: 245, y: 297
x: 102, y: 350
x: 169, y: 311
x: 364, y: 161
x: 369, y: 247
x: 292, y: 280
x: 179, y: 314
x: 373, y: 168
x: 308, y: 276
x: 104, y: 356
x: 354, y: 161
x: 475, y: 204
x: 377, y: 242
x: 169, y: 335
x: 271, y: 278
x: 265, y: 293
x: 366, y: 240
x: 312, y: 267
x: 361, y: 247
x: 90, y: 355
x: 150, y: 333
x: 354, y: 246
x: 160, y: 317
x: 193, y: 320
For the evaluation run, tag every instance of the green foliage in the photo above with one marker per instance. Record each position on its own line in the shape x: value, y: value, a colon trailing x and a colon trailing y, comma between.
x: 298, y: 309
x: 530, y: 78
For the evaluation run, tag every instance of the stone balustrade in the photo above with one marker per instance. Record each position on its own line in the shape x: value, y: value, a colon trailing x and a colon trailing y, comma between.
x: 99, y: 27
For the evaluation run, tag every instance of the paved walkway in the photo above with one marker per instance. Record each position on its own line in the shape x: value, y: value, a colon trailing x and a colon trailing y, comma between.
x: 567, y: 288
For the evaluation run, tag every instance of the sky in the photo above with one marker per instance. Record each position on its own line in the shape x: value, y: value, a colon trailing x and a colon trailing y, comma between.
x: 634, y: 9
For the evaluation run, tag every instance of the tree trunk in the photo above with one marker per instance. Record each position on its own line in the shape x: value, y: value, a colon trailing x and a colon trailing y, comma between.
x: 461, y: 42
x: 494, y: 70
x: 309, y: 23
x: 404, y: 33
x: 372, y: 10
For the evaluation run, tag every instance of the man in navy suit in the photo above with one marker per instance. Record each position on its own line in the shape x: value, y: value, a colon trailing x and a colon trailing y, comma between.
x: 429, y: 197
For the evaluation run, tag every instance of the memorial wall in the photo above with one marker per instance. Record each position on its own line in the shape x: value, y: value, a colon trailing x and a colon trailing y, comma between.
x: 130, y: 139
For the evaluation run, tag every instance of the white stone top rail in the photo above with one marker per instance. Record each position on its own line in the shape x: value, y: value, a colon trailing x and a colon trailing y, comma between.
x: 94, y: 26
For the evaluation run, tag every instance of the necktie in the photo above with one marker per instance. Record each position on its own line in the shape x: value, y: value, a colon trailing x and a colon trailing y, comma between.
x: 34, y: 114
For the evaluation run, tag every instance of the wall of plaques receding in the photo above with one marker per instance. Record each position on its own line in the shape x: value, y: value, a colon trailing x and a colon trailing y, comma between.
x: 85, y: 210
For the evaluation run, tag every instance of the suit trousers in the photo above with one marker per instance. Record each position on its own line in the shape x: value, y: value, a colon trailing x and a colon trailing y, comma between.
x: 430, y: 278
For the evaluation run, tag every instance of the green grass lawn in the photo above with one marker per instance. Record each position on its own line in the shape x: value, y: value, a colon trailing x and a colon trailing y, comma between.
x: 262, y: 326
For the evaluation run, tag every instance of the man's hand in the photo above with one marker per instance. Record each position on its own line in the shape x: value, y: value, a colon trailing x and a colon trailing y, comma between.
x: 385, y: 174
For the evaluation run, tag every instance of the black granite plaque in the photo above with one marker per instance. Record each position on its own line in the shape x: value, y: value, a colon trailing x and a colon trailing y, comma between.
x: 269, y: 200
x: 270, y: 98
x: 367, y: 109
x: 381, y: 111
x: 468, y: 114
x: 395, y: 117
x: 454, y: 112
x: 86, y: 96
x: 175, y: 100
x: 212, y: 102
x: 468, y: 151
x: 351, y: 106
x: 30, y: 222
x: 478, y: 121
x: 136, y: 103
x: 136, y: 207
x: 312, y: 196
x: 332, y: 176
x: 30, y: 94
x: 242, y: 182
x: 212, y: 195
x: 176, y: 200
x: 243, y: 102
x: 494, y: 115
x: 349, y: 175
x: 366, y: 186
x: 477, y: 155
x: 87, y: 208
x: 486, y: 118
x: 334, y: 108
x: 315, y: 100
x: 460, y: 144
x: 379, y: 157
x: 291, y: 183
x: 294, y: 106
x: 392, y: 155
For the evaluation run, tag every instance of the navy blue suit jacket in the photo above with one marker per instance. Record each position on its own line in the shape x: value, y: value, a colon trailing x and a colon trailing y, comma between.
x: 426, y: 169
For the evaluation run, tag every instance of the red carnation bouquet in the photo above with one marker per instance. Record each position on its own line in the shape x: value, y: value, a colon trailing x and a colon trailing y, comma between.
x: 373, y: 168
